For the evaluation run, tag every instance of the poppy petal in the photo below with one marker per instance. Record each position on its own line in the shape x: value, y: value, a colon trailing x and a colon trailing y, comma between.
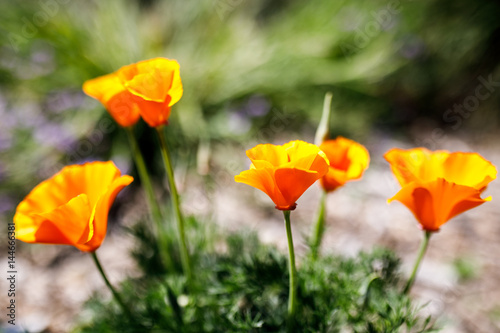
x: 154, y: 113
x: 424, y: 209
x: 333, y: 179
x: 63, y: 225
x: 417, y: 164
x: 451, y: 199
x: 434, y: 203
x: 150, y: 86
x: 123, y: 109
x: 270, y: 154
x: 262, y: 179
x: 69, y: 219
x: 153, y: 80
x: 103, y: 87
x: 480, y: 172
x: 348, y: 161
x: 97, y: 226
x: 420, y: 202
x: 50, y: 194
x: 97, y: 177
x: 109, y: 90
x: 298, y: 149
x: 337, y: 152
x: 292, y: 183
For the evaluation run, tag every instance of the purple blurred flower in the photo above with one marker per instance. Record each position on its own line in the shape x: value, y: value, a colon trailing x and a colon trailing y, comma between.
x: 6, y: 204
x: 64, y: 100
x: 412, y: 47
x: 5, y: 140
x: 54, y: 135
x: 257, y: 106
x: 28, y: 115
x: 9, y: 120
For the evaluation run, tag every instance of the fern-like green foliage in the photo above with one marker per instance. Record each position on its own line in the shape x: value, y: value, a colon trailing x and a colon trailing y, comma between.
x: 243, y: 287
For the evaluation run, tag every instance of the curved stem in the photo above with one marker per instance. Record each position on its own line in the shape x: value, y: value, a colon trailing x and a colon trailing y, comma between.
x: 292, y: 297
x: 175, y: 200
x: 421, y: 252
x: 319, y: 228
x: 117, y: 297
x: 148, y: 187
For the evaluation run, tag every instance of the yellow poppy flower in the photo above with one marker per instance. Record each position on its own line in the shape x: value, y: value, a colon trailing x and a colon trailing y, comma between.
x: 284, y: 172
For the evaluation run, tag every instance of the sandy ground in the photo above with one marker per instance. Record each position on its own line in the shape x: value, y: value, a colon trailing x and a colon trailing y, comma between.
x: 54, y: 281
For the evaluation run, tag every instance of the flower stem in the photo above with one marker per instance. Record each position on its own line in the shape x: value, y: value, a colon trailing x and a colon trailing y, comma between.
x: 143, y: 174
x: 421, y: 252
x: 117, y: 297
x: 153, y: 204
x: 319, y: 228
x: 292, y: 297
x: 175, y: 200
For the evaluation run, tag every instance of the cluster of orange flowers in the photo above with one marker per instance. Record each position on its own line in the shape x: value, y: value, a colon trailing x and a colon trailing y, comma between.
x: 72, y: 207
x: 436, y: 186
x: 286, y: 172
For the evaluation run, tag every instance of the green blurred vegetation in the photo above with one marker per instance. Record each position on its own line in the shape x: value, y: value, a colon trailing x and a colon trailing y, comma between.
x: 244, y: 64
x: 466, y: 268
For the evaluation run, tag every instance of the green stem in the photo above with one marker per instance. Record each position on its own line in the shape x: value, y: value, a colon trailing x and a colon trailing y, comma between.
x: 117, y: 297
x: 319, y: 228
x: 421, y: 252
x: 292, y: 297
x: 153, y: 204
x: 143, y: 174
x: 175, y: 200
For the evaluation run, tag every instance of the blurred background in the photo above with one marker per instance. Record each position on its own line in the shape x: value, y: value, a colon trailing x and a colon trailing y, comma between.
x: 403, y: 73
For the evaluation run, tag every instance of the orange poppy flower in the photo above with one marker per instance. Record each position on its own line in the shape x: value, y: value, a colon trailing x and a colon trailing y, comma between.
x: 436, y: 186
x: 348, y: 160
x: 284, y: 172
x: 148, y: 88
x: 119, y: 102
x: 156, y: 85
x: 71, y: 208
